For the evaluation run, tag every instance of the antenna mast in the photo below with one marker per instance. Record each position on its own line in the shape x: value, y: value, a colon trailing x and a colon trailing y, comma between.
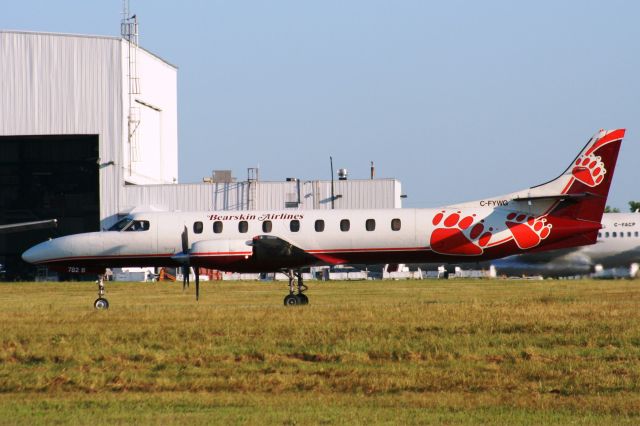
x: 129, y: 32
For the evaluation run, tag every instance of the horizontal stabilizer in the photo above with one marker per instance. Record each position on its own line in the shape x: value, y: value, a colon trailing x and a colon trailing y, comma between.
x: 556, y: 197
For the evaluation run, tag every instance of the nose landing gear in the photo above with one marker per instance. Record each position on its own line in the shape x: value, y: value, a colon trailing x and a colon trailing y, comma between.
x: 101, y: 302
x: 297, y: 288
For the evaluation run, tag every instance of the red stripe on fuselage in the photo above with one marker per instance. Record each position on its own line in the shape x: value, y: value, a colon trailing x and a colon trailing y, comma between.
x: 119, y: 256
x: 216, y: 254
x: 221, y: 253
x: 373, y: 249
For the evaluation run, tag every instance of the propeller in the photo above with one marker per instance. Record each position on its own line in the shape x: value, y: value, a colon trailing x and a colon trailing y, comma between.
x: 186, y: 264
x: 185, y: 258
x: 197, y: 271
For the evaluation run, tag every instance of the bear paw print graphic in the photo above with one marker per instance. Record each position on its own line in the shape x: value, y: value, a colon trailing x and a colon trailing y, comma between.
x: 454, y: 234
x: 527, y: 230
x: 589, y: 170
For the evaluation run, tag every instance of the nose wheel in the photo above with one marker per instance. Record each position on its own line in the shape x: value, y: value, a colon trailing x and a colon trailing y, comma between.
x: 296, y: 296
x: 101, y: 302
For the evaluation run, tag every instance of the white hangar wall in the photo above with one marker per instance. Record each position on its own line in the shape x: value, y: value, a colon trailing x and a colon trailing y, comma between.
x: 62, y: 84
x: 258, y: 195
x: 56, y: 84
x: 153, y: 152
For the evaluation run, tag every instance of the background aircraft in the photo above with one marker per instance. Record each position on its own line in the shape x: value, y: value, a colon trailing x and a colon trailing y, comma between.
x: 562, y: 213
x: 617, y: 246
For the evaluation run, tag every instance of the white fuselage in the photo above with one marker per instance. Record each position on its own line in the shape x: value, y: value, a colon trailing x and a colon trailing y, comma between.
x: 619, y: 241
x: 562, y: 213
x: 224, y: 240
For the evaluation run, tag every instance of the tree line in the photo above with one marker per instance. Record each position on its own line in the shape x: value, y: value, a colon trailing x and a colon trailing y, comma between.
x: 634, y: 206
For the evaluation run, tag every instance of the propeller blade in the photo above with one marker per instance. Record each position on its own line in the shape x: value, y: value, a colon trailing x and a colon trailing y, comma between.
x: 185, y: 256
x: 185, y: 276
x: 197, y: 283
x: 185, y: 240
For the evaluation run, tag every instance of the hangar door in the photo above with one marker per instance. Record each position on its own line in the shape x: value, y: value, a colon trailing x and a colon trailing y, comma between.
x: 46, y: 177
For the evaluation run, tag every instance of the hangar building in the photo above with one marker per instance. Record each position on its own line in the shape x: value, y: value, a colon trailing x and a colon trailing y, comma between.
x: 88, y: 132
x: 64, y: 122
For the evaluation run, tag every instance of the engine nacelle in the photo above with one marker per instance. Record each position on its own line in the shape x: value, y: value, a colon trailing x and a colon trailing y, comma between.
x: 219, y: 254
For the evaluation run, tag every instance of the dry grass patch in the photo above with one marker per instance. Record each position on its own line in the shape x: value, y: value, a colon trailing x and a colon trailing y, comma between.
x: 396, y: 351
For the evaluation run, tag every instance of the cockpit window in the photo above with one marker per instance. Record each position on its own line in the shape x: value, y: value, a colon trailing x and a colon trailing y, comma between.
x: 128, y: 224
x: 138, y: 225
x: 121, y: 224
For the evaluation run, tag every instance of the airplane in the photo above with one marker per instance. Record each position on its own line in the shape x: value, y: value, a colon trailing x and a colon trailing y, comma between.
x: 617, y: 246
x: 564, y: 212
x: 28, y: 226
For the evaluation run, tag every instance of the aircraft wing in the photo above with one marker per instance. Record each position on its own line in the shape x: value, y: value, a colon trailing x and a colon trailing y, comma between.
x: 277, y: 250
x: 27, y: 226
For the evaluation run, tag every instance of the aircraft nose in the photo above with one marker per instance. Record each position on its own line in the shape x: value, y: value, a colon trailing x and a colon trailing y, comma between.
x: 38, y: 253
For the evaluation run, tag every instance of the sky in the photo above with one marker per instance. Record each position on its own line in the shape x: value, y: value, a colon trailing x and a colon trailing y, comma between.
x: 459, y: 100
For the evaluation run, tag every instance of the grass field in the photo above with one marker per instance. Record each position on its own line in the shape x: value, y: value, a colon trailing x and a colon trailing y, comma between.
x: 454, y: 352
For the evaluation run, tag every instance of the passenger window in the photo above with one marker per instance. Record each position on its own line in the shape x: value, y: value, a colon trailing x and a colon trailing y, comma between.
x: 370, y: 224
x: 197, y: 227
x: 243, y: 226
x: 606, y: 235
x: 217, y: 227
x: 267, y: 226
x: 599, y: 234
x: 622, y: 235
x: 319, y: 225
x: 396, y: 224
x: 614, y: 234
x: 345, y: 225
x: 635, y: 234
x: 294, y: 225
x: 629, y: 234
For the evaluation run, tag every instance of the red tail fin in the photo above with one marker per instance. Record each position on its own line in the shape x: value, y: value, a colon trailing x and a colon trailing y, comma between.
x: 587, y: 179
x: 592, y: 173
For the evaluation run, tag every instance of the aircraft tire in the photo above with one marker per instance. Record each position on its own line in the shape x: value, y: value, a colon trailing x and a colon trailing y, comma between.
x: 291, y: 300
x: 303, y: 299
x: 101, y: 304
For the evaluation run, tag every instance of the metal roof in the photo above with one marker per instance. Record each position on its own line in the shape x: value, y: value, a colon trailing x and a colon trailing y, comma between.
x: 46, y: 33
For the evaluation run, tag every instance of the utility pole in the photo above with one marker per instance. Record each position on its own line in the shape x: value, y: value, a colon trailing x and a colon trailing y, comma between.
x: 333, y: 198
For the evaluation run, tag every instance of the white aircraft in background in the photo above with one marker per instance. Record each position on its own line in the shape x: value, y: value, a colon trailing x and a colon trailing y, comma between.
x: 617, y: 246
x: 562, y: 213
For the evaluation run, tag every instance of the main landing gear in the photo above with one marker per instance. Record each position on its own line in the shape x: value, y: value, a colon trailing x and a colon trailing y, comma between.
x: 101, y: 303
x: 297, y: 288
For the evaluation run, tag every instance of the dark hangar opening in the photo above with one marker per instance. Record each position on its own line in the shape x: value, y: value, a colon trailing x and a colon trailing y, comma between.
x: 46, y: 177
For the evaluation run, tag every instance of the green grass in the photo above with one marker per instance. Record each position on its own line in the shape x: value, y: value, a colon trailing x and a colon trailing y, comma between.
x: 453, y: 352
